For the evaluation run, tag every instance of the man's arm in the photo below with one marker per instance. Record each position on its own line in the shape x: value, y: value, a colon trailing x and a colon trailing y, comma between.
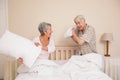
x: 75, y: 38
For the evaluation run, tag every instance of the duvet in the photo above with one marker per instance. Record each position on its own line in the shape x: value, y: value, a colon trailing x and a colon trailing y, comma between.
x: 87, y: 67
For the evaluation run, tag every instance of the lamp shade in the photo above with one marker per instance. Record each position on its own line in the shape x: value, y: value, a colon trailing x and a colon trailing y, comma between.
x: 107, y: 37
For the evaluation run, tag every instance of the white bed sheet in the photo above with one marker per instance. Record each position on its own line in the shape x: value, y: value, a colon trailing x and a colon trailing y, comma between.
x: 77, y: 68
x: 28, y: 76
x: 24, y: 75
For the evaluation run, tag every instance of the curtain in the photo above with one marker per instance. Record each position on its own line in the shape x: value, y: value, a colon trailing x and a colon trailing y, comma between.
x: 3, y: 16
x: 3, y: 27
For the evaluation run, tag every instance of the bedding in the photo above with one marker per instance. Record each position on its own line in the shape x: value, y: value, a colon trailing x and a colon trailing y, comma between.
x: 17, y: 46
x: 87, y: 67
x: 39, y: 64
x: 42, y: 70
x: 28, y: 76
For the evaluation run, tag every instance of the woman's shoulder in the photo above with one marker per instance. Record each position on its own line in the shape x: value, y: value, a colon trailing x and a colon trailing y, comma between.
x: 51, y: 37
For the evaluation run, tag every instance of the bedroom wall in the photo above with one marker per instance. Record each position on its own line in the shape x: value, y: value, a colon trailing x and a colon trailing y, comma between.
x: 104, y: 15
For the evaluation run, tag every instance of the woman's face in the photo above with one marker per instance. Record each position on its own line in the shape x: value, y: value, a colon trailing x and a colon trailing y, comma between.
x: 49, y: 31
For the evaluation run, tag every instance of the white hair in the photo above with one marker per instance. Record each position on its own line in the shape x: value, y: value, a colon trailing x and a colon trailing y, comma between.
x: 79, y: 18
x: 43, y: 27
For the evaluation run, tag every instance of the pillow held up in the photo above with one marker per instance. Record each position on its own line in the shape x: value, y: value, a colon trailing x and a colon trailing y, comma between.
x: 17, y: 46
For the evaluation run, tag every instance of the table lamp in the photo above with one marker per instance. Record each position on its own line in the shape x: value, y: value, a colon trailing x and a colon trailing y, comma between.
x: 107, y: 37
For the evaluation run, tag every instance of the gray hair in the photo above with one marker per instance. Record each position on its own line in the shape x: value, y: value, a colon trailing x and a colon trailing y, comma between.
x: 79, y: 18
x: 43, y: 27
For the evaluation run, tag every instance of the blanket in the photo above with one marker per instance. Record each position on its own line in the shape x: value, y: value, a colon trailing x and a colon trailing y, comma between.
x: 87, y: 67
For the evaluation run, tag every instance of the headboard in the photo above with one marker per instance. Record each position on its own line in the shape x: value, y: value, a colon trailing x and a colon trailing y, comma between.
x: 61, y: 53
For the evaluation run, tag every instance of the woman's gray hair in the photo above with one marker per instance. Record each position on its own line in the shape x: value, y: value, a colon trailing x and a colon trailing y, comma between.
x: 79, y: 18
x: 43, y: 27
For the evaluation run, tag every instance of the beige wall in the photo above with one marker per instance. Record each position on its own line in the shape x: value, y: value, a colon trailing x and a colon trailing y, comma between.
x: 104, y: 15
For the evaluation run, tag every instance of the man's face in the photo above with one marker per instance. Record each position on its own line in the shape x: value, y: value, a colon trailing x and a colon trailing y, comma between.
x: 80, y: 24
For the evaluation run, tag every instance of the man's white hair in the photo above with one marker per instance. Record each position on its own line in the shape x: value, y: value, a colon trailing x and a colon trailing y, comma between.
x: 79, y: 18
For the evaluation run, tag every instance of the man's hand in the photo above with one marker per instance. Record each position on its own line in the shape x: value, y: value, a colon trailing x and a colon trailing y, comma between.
x: 76, y: 38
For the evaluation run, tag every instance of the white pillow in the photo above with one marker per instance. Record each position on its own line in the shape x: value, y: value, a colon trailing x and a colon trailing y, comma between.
x: 95, y: 58
x: 17, y: 46
x: 68, y: 33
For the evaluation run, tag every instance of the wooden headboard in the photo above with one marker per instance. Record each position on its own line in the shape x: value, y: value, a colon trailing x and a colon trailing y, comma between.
x: 63, y: 52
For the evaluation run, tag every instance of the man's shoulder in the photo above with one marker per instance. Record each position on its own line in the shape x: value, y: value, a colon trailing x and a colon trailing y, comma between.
x: 90, y: 27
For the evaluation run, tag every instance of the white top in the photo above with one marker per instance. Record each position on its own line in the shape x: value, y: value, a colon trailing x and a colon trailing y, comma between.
x: 51, y: 48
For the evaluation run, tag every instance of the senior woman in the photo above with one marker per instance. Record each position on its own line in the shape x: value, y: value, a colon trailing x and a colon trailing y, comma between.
x: 45, y: 40
x: 42, y: 64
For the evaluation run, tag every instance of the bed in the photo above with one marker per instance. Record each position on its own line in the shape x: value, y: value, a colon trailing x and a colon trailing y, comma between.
x: 63, y: 65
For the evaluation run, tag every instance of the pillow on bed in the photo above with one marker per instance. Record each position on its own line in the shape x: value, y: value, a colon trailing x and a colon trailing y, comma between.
x: 95, y: 58
x: 17, y: 46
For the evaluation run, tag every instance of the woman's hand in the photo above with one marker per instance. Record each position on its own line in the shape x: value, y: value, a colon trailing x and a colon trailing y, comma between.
x: 37, y: 44
x: 20, y: 60
x: 45, y: 48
